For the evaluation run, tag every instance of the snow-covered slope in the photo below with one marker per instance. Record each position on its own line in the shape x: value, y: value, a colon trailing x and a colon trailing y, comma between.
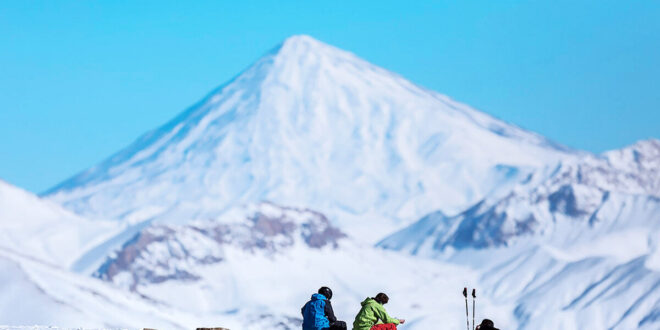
x: 573, y: 248
x: 42, y: 229
x: 313, y: 126
x: 260, y: 268
x: 586, y: 286
x: 577, y: 200
x: 36, y: 293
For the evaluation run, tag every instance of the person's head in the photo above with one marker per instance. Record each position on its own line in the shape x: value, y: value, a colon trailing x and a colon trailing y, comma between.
x: 382, y: 298
x: 487, y: 324
x: 324, y: 290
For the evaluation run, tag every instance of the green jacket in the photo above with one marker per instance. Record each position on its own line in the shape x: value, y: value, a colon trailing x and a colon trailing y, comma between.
x: 371, y: 313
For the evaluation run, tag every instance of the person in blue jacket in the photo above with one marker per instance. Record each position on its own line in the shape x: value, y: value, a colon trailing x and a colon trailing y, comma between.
x: 318, y: 314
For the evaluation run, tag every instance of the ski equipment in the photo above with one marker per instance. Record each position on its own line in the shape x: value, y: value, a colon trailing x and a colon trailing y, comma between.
x: 467, y: 316
x: 474, y: 296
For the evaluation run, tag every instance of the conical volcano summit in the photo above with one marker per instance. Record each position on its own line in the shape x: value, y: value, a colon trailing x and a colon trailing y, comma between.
x: 314, y: 126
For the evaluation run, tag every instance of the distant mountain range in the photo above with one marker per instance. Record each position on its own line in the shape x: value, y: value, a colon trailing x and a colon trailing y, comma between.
x: 285, y: 178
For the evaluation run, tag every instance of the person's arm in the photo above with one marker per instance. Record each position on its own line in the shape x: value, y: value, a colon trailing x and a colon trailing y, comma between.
x: 382, y: 315
x: 329, y: 312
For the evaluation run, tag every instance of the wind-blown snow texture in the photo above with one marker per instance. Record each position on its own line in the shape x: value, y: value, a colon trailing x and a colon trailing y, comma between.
x: 279, y: 181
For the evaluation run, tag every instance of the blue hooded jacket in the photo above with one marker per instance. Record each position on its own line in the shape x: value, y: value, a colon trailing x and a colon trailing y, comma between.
x: 314, y: 313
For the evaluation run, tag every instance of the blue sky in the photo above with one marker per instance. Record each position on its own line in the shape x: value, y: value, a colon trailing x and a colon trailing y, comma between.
x: 79, y: 80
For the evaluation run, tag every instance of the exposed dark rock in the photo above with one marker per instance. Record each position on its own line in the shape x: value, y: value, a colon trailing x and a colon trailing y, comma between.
x: 166, y: 252
x: 564, y: 201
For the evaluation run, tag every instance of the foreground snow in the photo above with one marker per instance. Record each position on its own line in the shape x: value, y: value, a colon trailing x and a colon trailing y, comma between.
x: 34, y: 292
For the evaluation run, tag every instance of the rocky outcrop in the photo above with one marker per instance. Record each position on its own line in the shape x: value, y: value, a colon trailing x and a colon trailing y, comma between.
x: 163, y: 252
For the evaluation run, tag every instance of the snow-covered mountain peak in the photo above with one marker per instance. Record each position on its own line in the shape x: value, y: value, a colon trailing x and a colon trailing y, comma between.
x: 298, y: 46
x: 302, y: 39
x: 314, y: 126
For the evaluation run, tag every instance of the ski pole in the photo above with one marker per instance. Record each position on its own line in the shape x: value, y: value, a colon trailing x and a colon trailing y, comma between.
x: 467, y: 317
x: 474, y: 296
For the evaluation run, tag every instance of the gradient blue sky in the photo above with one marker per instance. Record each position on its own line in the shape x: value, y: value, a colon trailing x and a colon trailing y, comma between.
x: 79, y: 80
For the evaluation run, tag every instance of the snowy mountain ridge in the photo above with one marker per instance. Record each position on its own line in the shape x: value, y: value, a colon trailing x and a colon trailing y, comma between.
x: 579, y: 242
x: 577, y: 193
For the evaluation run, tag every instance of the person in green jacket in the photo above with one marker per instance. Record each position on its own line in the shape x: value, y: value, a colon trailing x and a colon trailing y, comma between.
x: 372, y: 315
